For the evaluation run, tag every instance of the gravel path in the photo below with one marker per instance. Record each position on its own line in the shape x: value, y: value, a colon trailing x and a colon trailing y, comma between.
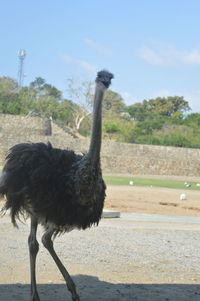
x: 117, y: 261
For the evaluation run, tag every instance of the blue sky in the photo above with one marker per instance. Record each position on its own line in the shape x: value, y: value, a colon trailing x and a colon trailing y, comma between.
x: 151, y: 46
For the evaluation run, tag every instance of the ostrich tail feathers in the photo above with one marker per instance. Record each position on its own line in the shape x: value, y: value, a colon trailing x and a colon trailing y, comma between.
x: 104, y: 77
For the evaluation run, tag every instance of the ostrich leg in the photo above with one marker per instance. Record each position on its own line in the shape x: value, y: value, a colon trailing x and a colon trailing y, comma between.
x: 48, y: 244
x: 33, y: 250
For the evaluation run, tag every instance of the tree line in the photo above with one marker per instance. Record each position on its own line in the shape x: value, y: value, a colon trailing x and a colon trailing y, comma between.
x: 158, y: 121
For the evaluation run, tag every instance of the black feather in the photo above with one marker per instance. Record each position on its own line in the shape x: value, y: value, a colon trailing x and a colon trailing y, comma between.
x: 104, y: 77
x: 51, y: 184
x: 56, y: 188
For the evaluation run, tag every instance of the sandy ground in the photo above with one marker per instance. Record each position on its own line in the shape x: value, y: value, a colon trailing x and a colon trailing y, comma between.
x: 117, y: 261
x: 153, y: 200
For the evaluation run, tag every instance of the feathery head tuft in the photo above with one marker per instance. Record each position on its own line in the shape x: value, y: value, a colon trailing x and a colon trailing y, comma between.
x: 104, y: 77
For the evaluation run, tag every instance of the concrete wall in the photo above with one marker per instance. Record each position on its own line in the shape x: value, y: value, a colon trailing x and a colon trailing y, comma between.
x: 116, y: 157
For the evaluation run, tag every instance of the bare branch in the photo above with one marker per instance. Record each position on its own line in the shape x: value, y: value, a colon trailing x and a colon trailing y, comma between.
x: 82, y: 94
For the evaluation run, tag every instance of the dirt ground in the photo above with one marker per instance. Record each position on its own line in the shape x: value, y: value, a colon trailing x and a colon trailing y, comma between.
x: 153, y: 200
x: 117, y: 261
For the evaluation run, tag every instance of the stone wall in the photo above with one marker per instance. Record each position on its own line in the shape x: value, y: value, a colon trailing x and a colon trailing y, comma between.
x: 116, y: 157
x: 151, y: 160
x: 21, y: 124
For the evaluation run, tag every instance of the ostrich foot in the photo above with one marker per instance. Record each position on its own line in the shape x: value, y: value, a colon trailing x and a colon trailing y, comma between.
x: 75, y: 297
x: 35, y: 297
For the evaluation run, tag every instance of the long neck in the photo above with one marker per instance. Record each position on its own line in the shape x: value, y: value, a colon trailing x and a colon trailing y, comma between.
x: 95, y: 143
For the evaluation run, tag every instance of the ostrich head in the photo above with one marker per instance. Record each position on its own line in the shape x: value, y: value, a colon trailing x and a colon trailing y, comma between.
x: 103, y: 81
x: 104, y: 77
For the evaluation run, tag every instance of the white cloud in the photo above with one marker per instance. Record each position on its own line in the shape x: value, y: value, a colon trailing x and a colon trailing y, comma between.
x: 128, y: 98
x: 192, y: 58
x: 98, y: 47
x: 169, y: 56
x: 150, y: 56
x: 81, y: 63
x: 193, y: 97
x: 164, y: 93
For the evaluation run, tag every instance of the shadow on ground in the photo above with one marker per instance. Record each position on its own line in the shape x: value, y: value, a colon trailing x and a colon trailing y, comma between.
x: 92, y: 289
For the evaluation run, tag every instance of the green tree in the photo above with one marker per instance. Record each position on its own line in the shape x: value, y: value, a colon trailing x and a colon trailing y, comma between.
x: 40, y: 87
x: 113, y: 102
x: 159, y: 106
x: 147, y: 127
x: 193, y: 120
x: 41, y: 99
x: 39, y: 82
x: 110, y: 127
x: 167, y: 106
x: 50, y: 90
x: 9, y: 97
x: 139, y: 111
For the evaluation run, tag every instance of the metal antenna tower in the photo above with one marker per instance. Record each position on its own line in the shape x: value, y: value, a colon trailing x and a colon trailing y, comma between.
x: 21, y: 56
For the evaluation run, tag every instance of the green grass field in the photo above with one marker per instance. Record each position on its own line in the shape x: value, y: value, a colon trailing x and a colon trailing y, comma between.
x: 122, y: 180
x: 148, y: 182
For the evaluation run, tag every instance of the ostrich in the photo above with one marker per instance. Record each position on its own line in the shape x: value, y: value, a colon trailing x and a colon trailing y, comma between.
x: 56, y: 188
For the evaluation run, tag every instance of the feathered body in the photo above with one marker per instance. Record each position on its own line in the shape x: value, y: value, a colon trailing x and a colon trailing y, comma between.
x: 56, y: 188
x: 61, y: 188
